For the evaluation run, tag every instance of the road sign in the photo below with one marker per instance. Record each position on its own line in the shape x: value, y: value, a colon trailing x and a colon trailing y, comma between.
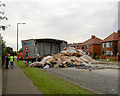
x: 26, y: 49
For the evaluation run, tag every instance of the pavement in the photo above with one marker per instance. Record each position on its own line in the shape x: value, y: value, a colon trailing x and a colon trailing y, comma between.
x: 0, y: 82
x: 16, y: 82
x: 100, y: 81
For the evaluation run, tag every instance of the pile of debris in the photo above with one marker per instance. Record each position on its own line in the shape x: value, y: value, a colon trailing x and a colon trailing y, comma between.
x: 70, y: 57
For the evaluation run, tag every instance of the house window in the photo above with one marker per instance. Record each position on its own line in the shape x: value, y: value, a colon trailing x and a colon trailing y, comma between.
x: 103, y: 52
x: 87, y: 47
x: 108, y: 52
x: 103, y: 45
x: 82, y: 47
x: 119, y: 42
x: 90, y: 46
x: 88, y: 53
x: 108, y: 44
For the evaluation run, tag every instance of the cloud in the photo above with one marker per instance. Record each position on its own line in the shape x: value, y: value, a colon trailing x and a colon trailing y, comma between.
x: 71, y: 20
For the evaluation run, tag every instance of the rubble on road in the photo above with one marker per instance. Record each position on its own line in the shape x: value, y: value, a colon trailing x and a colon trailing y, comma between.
x: 70, y: 57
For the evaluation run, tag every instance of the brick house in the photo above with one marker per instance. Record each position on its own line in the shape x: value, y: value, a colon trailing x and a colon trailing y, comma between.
x: 109, y: 46
x: 92, y: 45
x: 119, y: 45
x: 75, y: 45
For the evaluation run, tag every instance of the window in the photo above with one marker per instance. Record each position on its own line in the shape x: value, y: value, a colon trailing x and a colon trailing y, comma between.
x: 103, y: 45
x: 103, y: 52
x: 87, y: 47
x: 108, y: 44
x: 90, y: 46
x: 82, y: 47
x: 108, y: 53
x: 119, y: 42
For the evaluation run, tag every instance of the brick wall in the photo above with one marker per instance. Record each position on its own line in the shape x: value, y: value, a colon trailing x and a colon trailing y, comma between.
x: 115, y: 48
x: 96, y: 48
x: 119, y: 34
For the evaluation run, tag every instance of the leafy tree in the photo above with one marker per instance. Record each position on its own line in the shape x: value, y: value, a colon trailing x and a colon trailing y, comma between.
x: 3, y: 17
x: 2, y: 50
x: 9, y: 50
x: 15, y: 53
x: 21, y: 50
x: 3, y: 46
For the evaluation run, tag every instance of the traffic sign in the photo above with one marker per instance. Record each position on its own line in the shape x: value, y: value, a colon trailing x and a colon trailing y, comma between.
x: 26, y: 49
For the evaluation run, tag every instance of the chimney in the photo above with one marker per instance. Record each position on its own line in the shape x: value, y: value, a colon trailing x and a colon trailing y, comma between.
x: 93, y: 36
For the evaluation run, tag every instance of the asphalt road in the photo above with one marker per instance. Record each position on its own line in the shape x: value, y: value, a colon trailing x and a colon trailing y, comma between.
x: 100, y: 81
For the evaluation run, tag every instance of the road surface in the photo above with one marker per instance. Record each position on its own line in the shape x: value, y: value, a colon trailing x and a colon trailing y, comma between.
x: 100, y: 81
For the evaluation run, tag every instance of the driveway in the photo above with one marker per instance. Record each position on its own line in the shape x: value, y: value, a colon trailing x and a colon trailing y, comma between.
x: 101, y: 81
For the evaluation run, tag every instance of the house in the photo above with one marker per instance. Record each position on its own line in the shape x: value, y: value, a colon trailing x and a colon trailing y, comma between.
x: 109, y: 46
x: 75, y: 45
x: 43, y: 47
x: 119, y: 45
x: 91, y: 46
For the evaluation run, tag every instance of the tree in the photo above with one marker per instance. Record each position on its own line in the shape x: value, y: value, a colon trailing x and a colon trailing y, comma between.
x: 3, y: 17
x: 15, y: 53
x: 2, y: 50
x: 9, y: 50
x: 21, y: 50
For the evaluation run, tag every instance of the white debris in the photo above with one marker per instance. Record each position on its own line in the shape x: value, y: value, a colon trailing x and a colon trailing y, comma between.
x: 47, y: 66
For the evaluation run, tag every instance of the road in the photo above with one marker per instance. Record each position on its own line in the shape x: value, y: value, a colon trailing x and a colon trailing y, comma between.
x: 100, y: 81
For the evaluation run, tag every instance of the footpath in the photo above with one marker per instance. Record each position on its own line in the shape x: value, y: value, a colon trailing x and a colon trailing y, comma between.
x: 16, y: 82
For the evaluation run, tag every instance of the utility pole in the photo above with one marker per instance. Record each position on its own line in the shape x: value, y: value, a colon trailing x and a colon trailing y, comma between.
x: 17, y: 38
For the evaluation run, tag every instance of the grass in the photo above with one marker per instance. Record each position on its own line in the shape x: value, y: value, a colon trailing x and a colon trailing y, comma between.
x: 51, y: 84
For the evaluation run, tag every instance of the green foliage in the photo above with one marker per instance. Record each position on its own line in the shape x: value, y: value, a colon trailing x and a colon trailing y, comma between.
x: 5, y: 50
x: 15, y: 53
x: 96, y: 57
x: 94, y: 54
x: 112, y: 59
x: 3, y: 17
x: 21, y: 50
x: 3, y: 46
x: 9, y: 50
x: 51, y: 84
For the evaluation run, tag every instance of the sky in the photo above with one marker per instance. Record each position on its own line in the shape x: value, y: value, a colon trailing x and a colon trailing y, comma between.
x: 69, y: 20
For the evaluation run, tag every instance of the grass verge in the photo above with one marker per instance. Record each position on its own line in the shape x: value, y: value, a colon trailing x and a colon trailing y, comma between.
x: 51, y: 84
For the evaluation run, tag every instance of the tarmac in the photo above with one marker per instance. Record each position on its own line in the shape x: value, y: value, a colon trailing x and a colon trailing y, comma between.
x: 14, y: 81
x: 103, y: 81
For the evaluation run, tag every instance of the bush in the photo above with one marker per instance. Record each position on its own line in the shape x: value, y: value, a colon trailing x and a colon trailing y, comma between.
x: 94, y: 55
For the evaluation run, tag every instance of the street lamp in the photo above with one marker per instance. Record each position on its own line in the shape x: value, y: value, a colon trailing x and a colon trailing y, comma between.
x: 17, y: 38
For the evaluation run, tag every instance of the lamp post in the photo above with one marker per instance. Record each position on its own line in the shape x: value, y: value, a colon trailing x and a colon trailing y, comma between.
x: 17, y: 38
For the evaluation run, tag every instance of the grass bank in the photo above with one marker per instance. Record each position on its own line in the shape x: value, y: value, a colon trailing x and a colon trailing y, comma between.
x: 51, y: 84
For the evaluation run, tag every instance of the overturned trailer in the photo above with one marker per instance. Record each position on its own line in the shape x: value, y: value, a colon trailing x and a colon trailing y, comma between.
x: 43, y: 47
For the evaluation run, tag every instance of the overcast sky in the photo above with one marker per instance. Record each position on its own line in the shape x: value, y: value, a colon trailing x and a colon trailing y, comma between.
x: 70, y: 20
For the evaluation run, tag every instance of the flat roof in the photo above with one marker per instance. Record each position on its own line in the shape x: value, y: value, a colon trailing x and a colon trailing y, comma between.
x: 46, y: 39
